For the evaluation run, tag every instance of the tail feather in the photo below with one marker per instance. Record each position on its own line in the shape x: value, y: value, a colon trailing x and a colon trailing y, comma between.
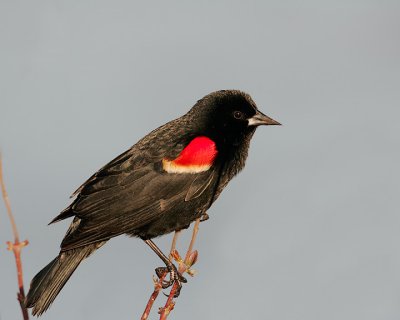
x: 46, y: 285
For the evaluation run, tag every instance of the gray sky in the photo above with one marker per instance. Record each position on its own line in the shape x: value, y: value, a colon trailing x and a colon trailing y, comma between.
x: 309, y: 230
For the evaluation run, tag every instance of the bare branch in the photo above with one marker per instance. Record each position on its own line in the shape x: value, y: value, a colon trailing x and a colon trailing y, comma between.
x: 173, y: 244
x: 170, y: 304
x: 15, y: 247
x: 192, y: 241
x: 158, y: 282
x: 184, y: 266
x: 7, y: 203
x: 153, y: 297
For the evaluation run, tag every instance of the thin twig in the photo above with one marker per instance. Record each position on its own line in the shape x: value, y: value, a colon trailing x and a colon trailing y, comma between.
x: 173, y: 244
x: 158, y: 282
x: 192, y: 241
x: 15, y: 247
x: 190, y: 259
x: 7, y: 203
x: 153, y: 297
x: 170, y: 304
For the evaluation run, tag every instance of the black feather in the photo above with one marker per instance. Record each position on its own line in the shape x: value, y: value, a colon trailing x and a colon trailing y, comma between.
x: 46, y: 285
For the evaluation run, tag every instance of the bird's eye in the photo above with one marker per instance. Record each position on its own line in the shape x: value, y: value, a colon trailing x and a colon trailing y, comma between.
x: 238, y: 115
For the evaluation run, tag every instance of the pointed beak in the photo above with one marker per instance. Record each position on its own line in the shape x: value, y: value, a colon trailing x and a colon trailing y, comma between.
x: 261, y: 119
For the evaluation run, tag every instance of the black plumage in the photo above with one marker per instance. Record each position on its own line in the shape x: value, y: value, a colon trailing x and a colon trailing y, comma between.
x: 135, y: 195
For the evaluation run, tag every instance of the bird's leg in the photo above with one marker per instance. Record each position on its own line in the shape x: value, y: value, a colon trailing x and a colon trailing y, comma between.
x: 175, y: 276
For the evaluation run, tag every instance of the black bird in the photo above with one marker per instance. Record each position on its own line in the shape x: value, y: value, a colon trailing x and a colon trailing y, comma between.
x: 161, y: 184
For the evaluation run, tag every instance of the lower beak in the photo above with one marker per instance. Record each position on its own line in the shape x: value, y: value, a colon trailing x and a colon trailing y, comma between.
x: 260, y: 119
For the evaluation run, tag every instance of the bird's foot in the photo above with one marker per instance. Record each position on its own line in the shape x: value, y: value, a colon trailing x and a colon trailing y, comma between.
x: 174, y: 277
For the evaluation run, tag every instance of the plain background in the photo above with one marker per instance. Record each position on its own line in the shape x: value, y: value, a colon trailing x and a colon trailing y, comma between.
x: 311, y: 228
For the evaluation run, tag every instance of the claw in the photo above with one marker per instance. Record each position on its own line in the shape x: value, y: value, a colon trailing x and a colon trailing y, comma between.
x: 174, y: 275
x: 167, y: 284
x: 161, y: 271
x: 178, y: 290
x: 181, y: 278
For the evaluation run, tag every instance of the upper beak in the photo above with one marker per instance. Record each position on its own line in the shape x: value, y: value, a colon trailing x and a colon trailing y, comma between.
x: 261, y: 119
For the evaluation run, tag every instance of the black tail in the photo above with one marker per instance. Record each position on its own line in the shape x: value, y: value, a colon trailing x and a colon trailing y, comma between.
x: 46, y: 285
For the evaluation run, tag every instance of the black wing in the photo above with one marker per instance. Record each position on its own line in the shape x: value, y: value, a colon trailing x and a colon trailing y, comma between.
x: 127, y: 194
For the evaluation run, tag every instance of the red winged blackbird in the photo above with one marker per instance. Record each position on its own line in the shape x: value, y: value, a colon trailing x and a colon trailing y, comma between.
x: 161, y: 184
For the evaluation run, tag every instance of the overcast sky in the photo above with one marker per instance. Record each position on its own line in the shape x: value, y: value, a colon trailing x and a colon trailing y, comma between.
x: 309, y: 230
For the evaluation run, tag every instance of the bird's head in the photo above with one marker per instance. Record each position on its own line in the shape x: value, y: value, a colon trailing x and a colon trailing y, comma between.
x: 228, y: 116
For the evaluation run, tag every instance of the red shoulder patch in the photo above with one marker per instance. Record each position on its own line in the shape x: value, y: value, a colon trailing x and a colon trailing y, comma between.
x: 197, y: 156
